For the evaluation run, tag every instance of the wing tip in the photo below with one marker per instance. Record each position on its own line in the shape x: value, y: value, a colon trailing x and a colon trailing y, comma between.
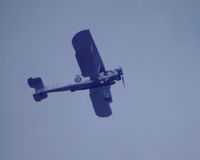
x: 81, y: 38
x: 104, y: 115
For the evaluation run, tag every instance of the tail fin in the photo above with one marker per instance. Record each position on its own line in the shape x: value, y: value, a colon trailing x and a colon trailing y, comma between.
x: 37, y: 84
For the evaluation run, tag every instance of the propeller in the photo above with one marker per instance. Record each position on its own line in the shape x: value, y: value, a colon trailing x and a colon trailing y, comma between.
x: 121, y: 73
x: 123, y: 81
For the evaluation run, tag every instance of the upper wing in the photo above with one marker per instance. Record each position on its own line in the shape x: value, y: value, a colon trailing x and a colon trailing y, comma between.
x: 101, y: 99
x: 87, y: 54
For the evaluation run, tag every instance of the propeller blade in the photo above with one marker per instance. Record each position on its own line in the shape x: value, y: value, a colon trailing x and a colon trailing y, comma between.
x: 121, y: 70
x: 122, y: 77
x: 123, y: 81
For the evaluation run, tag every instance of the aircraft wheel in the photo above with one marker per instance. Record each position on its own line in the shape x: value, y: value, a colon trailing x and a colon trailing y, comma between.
x: 102, y: 81
x: 108, y: 99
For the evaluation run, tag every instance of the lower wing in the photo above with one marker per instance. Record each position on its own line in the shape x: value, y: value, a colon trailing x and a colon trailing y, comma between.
x: 101, y: 99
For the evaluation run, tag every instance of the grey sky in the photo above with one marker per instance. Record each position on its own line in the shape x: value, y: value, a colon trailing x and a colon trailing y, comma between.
x: 156, y: 117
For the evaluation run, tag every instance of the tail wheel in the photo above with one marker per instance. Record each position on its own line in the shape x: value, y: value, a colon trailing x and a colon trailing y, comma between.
x: 77, y: 79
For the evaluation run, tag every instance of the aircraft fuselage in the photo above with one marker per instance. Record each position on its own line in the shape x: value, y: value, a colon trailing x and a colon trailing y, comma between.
x: 104, y: 79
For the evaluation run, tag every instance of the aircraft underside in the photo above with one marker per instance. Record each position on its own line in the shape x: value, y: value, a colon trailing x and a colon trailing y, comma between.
x: 91, y: 66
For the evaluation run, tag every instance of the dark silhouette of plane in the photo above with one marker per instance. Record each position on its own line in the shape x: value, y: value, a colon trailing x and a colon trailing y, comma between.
x: 94, y: 76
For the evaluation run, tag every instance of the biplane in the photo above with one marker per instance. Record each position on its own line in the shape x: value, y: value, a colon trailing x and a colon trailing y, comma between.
x: 93, y: 76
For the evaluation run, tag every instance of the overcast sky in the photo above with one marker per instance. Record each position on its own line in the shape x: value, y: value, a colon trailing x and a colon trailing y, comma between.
x: 156, y: 117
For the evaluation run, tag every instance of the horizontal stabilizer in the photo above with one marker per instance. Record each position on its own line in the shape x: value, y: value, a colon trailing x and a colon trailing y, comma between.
x: 35, y: 83
x: 38, y: 85
x: 39, y: 96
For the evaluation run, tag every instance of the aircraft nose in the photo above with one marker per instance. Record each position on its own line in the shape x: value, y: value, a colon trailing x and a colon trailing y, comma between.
x: 120, y: 71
